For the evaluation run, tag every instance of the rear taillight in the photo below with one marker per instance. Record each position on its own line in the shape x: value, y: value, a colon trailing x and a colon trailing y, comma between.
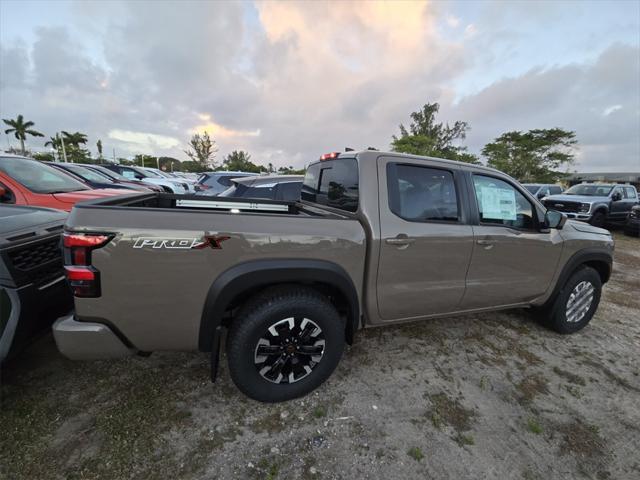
x: 83, y: 278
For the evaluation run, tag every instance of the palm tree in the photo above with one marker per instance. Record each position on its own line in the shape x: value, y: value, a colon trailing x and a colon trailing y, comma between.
x: 74, y: 139
x: 54, y: 142
x: 21, y: 129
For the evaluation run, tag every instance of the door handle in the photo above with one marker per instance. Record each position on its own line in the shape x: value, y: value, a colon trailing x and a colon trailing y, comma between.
x: 402, y: 241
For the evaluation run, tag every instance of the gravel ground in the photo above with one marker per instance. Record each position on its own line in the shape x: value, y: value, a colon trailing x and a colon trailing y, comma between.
x: 485, y: 396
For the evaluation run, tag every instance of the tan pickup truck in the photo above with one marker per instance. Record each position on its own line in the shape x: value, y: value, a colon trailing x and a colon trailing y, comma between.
x: 377, y: 238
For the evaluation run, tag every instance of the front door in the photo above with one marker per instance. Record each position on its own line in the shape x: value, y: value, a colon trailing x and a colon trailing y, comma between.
x: 426, y: 242
x: 513, y: 261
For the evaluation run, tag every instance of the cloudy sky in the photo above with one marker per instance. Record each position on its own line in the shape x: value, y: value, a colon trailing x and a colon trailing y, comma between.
x: 289, y: 81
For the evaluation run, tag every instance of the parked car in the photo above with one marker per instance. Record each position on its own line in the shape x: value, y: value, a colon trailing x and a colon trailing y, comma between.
x: 541, y: 190
x: 214, y: 183
x: 632, y: 226
x: 274, y: 187
x: 33, y: 290
x: 92, y: 178
x: 28, y: 182
x: 116, y: 177
x: 138, y: 173
x: 187, y: 184
x: 596, y: 203
x: 377, y: 239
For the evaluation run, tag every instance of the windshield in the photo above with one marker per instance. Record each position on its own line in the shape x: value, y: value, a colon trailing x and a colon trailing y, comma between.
x: 107, y: 173
x: 532, y: 188
x: 39, y: 178
x: 151, y: 173
x: 590, y: 190
x: 88, y: 174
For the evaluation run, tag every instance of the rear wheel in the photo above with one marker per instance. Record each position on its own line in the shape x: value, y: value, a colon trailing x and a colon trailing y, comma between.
x: 284, y: 343
x: 577, y: 302
x: 598, y: 219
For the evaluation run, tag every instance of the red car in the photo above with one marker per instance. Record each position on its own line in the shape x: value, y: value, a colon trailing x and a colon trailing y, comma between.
x: 28, y: 182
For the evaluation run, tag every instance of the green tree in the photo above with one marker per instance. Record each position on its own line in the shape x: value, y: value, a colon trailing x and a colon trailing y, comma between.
x: 533, y: 156
x: 203, y: 150
x: 74, y: 139
x: 191, y: 166
x: 240, y: 161
x: 427, y: 137
x: 291, y: 171
x: 56, y: 144
x: 20, y: 130
x: 99, y: 147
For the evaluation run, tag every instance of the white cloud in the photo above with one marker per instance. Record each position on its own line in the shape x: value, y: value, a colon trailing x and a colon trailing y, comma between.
x: 143, y: 140
x: 609, y: 110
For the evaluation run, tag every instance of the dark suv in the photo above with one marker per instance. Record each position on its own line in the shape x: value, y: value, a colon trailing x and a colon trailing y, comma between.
x: 33, y: 290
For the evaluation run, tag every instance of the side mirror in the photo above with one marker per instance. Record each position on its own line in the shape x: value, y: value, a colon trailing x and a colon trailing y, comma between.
x: 554, y: 219
x: 616, y: 197
x: 541, y: 195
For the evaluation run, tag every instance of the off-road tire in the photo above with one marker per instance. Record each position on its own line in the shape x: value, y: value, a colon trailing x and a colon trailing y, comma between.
x: 556, y: 318
x: 252, y: 323
x: 598, y: 219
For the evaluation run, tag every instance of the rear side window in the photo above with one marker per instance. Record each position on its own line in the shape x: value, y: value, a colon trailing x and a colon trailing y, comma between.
x: 501, y: 203
x: 289, y: 192
x: 421, y: 194
x: 225, y: 180
x: 555, y: 190
x: 333, y: 183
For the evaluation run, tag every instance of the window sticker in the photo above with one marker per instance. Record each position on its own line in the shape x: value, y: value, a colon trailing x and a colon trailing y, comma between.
x: 498, y: 203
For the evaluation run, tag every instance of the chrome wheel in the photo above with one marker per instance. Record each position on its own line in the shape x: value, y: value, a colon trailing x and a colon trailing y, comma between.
x: 289, y: 350
x: 579, y: 301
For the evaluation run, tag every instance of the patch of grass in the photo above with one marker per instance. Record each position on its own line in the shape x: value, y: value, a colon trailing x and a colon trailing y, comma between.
x: 530, y: 387
x: 463, y: 439
x: 534, y: 426
x: 320, y: 411
x: 582, y: 440
x: 415, y: 453
x: 483, y: 382
x: 269, y: 468
x: 450, y: 412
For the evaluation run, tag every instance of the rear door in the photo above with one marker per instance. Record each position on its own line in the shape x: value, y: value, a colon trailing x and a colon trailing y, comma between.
x: 426, y: 241
x: 513, y: 260
x: 621, y: 208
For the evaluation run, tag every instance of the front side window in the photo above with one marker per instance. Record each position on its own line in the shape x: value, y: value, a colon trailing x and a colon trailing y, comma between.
x: 39, y: 178
x: 630, y: 193
x: 499, y: 203
x: 420, y: 194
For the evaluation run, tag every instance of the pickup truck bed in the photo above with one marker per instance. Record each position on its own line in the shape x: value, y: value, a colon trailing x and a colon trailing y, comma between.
x: 255, y: 231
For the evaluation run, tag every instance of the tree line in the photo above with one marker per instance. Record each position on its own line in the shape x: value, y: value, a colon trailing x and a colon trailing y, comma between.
x: 538, y: 155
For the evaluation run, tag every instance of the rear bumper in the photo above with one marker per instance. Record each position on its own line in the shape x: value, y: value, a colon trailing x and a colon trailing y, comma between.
x: 87, y: 340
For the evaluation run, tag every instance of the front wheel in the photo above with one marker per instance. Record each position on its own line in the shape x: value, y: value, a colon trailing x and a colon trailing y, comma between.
x: 284, y: 343
x: 598, y: 219
x: 577, y: 302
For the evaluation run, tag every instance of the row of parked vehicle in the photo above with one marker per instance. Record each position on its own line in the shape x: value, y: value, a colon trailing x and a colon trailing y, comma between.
x: 599, y: 204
